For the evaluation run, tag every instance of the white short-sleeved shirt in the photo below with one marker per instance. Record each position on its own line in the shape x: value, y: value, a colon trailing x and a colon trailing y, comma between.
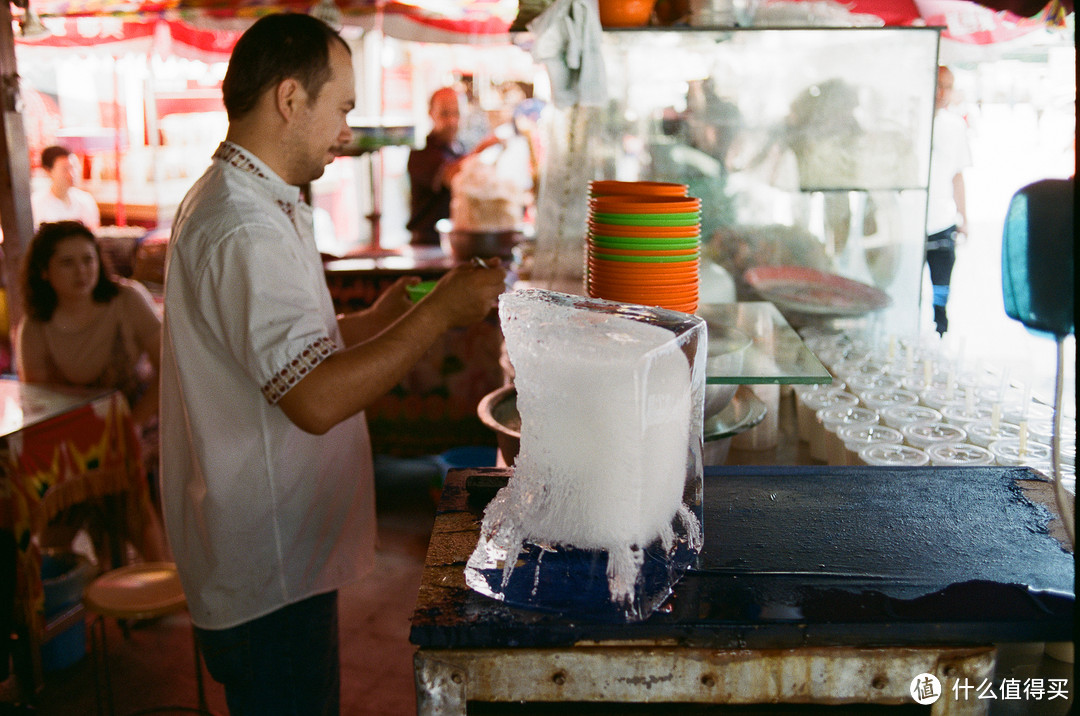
x: 78, y: 206
x: 259, y: 513
x: 951, y: 154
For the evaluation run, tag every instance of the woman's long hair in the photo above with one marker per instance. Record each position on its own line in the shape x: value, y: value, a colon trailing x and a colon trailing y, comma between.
x: 38, y: 293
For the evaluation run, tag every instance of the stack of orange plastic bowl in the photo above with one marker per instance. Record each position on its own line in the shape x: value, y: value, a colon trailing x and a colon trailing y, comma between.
x: 644, y: 244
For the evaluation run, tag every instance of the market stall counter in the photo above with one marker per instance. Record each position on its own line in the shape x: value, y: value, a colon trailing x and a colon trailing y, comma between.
x: 815, y: 585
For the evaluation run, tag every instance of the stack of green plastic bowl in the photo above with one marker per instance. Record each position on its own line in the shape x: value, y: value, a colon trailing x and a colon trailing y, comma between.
x: 644, y: 244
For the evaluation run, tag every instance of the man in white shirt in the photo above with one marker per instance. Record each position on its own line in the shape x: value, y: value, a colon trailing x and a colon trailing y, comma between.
x: 946, y: 212
x: 266, y: 465
x: 62, y: 200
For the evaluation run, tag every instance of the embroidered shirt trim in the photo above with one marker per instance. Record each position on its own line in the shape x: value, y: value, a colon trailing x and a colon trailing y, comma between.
x: 297, y: 368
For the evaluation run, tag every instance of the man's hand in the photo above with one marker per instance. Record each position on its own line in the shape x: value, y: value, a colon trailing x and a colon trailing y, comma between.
x: 468, y: 292
x: 394, y: 302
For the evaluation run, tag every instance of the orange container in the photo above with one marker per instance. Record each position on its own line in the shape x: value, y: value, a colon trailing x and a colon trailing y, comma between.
x: 644, y: 204
x: 609, y: 187
x: 625, y: 13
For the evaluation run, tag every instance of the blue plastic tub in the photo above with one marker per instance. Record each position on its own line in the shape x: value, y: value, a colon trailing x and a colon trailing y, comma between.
x: 64, y: 576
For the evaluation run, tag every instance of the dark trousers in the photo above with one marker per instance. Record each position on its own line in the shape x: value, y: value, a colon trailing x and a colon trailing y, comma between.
x: 940, y: 258
x: 283, y: 664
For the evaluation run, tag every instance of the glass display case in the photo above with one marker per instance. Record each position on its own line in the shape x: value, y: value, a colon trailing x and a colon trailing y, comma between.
x: 807, y: 146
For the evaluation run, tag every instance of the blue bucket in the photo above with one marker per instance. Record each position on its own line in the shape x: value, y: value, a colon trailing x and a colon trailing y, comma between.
x: 64, y: 576
x: 467, y: 456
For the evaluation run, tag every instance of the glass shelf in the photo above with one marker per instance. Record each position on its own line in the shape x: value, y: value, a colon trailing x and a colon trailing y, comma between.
x: 777, y: 354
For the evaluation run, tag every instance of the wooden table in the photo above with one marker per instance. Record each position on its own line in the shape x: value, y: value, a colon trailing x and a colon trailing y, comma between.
x: 815, y: 585
x: 59, y: 447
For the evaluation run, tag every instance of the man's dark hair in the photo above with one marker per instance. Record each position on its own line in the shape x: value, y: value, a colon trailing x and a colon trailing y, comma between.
x: 40, y: 297
x: 49, y: 155
x: 276, y: 48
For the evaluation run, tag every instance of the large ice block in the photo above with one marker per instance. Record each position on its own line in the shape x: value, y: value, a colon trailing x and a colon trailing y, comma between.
x: 603, y: 512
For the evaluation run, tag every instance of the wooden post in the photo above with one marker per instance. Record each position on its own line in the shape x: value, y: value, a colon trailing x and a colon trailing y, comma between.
x: 15, y: 217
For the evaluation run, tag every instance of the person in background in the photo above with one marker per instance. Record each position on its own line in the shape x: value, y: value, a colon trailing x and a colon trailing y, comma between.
x: 87, y: 329
x: 946, y: 212
x: 432, y: 168
x: 267, y: 484
x: 62, y: 200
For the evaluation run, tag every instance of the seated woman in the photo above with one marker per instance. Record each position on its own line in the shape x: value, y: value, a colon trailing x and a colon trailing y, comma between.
x: 84, y: 328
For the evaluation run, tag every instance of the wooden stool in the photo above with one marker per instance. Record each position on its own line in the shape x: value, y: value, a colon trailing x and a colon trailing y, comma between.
x: 137, y: 591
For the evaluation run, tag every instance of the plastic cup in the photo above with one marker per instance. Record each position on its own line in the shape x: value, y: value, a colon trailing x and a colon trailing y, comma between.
x: 925, y: 435
x: 1042, y: 431
x: 609, y: 187
x: 672, y: 219
x: 866, y: 382
x: 959, y: 454
x: 644, y: 205
x: 879, y: 400
x: 856, y: 437
x: 938, y: 397
x: 812, y: 401
x: 645, y: 257
x: 642, y: 254
x: 642, y: 242
x: 893, y: 455
x: 628, y: 230
x: 1015, y: 412
x: 1007, y: 452
x: 900, y: 415
x: 983, y: 432
x: 832, y: 419
x: 962, y: 414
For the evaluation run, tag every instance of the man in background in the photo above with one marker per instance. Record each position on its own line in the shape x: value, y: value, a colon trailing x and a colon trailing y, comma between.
x: 266, y: 482
x: 62, y: 200
x: 946, y: 212
x: 432, y: 168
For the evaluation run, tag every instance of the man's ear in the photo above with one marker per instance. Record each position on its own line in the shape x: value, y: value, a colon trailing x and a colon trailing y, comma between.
x: 288, y: 96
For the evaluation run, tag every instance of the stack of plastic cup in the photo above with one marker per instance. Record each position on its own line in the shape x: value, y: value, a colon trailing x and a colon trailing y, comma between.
x: 884, y: 398
x: 812, y: 431
x: 926, y: 435
x: 804, y: 412
x: 856, y: 437
x: 959, y: 454
x: 872, y: 382
x: 938, y: 397
x: 893, y: 455
x: 644, y: 244
x: 1011, y: 451
x: 984, y: 432
x: 832, y: 419
x: 900, y: 415
x: 963, y: 414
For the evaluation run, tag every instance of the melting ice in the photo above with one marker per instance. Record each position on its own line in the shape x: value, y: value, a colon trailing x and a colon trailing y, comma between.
x: 608, y: 408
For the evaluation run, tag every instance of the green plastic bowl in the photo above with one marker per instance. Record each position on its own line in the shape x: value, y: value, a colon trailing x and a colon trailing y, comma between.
x: 687, y: 219
x: 633, y: 242
x: 419, y: 290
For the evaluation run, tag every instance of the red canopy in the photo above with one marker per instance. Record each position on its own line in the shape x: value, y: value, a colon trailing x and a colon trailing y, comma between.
x: 211, y: 25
